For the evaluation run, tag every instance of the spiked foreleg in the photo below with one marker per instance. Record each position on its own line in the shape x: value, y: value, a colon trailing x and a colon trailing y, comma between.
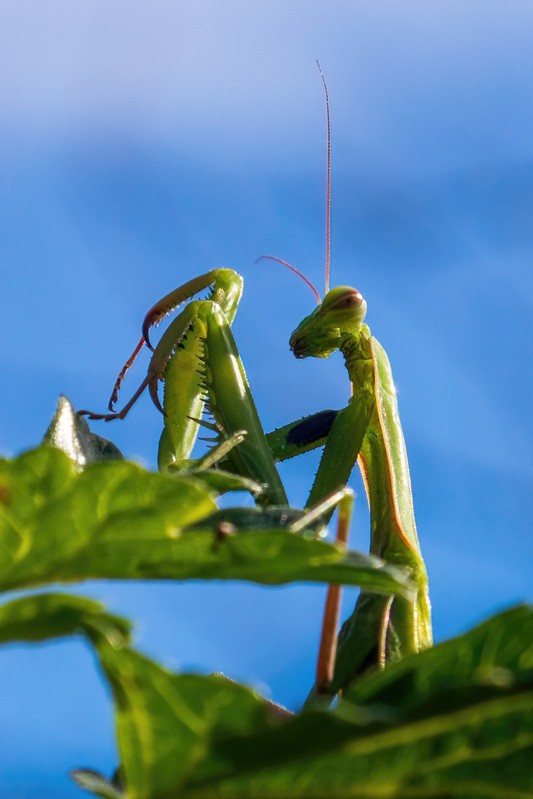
x: 184, y: 397
x: 231, y: 403
x: 217, y: 377
x: 225, y: 289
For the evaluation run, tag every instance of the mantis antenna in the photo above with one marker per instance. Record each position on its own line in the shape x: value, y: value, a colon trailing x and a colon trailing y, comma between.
x: 328, y: 206
x: 328, y: 178
x: 293, y: 269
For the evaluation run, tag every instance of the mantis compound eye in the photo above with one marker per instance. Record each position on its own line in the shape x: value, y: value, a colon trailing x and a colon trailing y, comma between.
x: 350, y: 299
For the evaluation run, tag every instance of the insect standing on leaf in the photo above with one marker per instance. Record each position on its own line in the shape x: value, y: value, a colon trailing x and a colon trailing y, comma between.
x: 198, y: 360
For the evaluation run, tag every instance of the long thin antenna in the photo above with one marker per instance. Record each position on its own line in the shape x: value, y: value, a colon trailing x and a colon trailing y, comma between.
x: 293, y: 269
x: 328, y: 180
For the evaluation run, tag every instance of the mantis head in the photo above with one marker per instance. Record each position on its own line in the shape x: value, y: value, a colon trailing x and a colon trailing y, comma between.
x: 340, y: 313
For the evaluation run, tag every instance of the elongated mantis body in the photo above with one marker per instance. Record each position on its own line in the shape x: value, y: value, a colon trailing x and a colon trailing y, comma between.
x: 368, y: 431
x: 198, y: 360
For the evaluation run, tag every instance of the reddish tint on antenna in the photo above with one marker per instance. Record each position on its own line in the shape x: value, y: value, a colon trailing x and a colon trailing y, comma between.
x: 328, y: 179
x: 328, y: 206
x: 293, y: 269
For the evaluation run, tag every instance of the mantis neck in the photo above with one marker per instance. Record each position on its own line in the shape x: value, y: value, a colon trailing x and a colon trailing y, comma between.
x: 357, y: 352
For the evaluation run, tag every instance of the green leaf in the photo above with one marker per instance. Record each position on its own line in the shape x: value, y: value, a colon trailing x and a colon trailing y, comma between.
x: 40, y: 617
x: 189, y: 736
x: 71, y: 434
x: 165, y: 721
x: 496, y: 654
x: 59, y: 524
x: 115, y: 520
x: 452, y: 722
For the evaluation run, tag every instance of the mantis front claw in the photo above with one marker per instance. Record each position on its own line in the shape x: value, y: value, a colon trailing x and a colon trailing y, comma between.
x: 199, y: 362
x: 110, y: 417
x: 154, y: 316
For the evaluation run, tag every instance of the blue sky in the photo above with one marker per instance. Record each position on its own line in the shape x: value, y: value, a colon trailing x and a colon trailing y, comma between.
x: 142, y: 144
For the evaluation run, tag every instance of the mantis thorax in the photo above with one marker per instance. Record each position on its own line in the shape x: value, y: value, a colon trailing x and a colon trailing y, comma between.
x: 357, y: 351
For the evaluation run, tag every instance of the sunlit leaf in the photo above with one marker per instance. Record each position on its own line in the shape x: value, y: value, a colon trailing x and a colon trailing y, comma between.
x: 496, y: 654
x: 454, y: 722
x: 41, y: 617
x: 116, y: 520
x: 166, y: 722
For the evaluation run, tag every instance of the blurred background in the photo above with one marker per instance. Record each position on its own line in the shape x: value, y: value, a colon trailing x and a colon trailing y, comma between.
x: 142, y: 144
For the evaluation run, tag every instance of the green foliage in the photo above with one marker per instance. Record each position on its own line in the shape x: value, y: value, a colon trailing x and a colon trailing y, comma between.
x: 44, y: 616
x: 454, y: 722
x: 116, y: 520
x: 411, y: 737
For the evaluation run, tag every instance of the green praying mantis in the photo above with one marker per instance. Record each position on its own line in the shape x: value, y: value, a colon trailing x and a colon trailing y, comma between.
x: 198, y: 361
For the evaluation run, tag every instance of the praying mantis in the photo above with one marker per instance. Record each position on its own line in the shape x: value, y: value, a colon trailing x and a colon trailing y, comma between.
x: 198, y: 360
